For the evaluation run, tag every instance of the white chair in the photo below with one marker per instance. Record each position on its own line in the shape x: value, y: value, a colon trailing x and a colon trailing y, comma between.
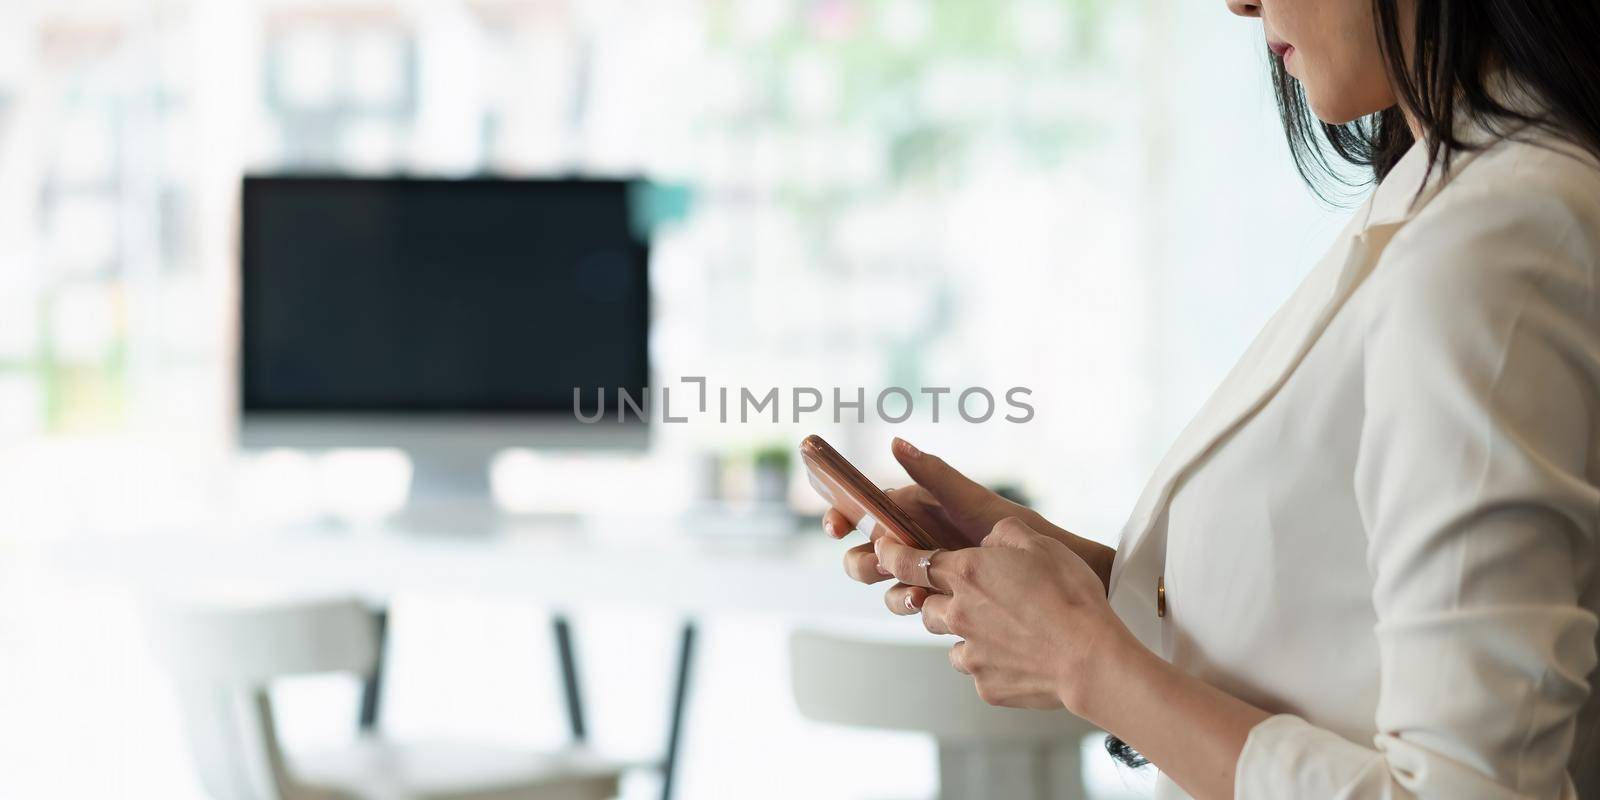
x: 984, y: 752
x: 224, y: 658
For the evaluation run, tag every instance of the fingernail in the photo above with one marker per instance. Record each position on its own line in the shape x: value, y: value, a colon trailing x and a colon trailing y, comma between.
x: 828, y: 526
x: 910, y: 604
x: 907, y: 448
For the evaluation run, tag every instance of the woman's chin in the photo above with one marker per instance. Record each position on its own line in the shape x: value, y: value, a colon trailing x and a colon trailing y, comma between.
x: 1340, y: 107
x: 1336, y: 115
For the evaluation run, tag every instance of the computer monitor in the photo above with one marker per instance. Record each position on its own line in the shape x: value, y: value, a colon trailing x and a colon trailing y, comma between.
x: 451, y: 318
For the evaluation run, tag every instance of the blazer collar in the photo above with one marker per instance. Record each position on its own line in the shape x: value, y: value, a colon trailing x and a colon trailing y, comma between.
x: 1271, y: 358
x: 1405, y: 190
x: 1257, y: 376
x: 1414, y: 182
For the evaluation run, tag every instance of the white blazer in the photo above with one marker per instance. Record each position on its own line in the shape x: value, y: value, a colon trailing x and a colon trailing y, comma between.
x: 1382, y: 527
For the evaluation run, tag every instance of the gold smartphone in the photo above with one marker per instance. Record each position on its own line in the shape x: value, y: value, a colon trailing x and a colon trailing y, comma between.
x: 846, y: 489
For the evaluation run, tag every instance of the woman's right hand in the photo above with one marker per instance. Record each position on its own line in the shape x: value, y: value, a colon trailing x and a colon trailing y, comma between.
x: 949, y: 505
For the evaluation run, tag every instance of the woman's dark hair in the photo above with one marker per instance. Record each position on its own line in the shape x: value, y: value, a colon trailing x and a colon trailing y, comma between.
x: 1551, y: 47
x: 1445, y: 72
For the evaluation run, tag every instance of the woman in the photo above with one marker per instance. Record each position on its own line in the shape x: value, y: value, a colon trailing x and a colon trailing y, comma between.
x: 1368, y: 567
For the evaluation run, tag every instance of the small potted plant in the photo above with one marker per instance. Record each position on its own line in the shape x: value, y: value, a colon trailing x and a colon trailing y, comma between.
x: 771, y: 479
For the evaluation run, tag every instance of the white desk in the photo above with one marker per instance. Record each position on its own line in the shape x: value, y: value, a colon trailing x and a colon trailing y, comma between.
x: 620, y: 561
x: 629, y: 561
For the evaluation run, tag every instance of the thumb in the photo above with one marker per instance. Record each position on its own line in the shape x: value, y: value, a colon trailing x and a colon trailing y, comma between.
x: 944, y: 482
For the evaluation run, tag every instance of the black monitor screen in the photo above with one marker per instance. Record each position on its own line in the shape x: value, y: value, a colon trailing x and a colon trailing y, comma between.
x: 439, y: 295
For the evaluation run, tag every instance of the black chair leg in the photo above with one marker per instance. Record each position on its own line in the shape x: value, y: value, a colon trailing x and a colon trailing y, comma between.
x: 569, y: 678
x: 372, y: 687
x: 679, y: 701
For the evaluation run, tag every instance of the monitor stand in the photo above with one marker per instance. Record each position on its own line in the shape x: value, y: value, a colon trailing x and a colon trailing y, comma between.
x: 450, y: 494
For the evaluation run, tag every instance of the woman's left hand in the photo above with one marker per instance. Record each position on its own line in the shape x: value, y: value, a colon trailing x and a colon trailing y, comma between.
x: 1032, y: 614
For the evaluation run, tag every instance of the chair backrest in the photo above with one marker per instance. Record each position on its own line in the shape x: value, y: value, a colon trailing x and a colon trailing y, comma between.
x: 222, y: 658
x: 851, y: 681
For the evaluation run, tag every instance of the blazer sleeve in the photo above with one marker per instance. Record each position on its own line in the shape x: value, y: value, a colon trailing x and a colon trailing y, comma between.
x: 1473, y: 479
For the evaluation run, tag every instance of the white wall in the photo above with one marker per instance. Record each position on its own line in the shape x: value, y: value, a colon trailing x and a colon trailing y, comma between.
x: 1238, y: 229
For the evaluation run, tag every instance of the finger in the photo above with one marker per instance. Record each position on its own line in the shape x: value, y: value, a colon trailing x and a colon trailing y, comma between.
x: 943, y: 481
x: 905, y: 600
x: 958, y: 657
x: 914, y: 498
x: 835, y: 524
x: 945, y: 569
x: 898, y: 559
x: 906, y: 564
x: 1010, y: 532
x: 861, y: 564
x: 936, y: 614
x: 927, y: 511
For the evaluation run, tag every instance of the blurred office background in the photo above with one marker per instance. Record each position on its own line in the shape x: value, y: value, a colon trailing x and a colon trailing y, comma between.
x: 1088, y: 198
